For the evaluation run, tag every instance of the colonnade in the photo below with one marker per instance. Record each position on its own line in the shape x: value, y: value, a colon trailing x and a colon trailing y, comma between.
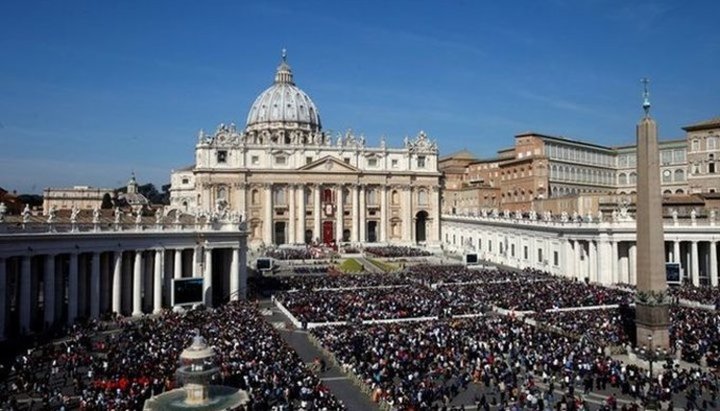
x: 50, y: 279
x: 604, y: 253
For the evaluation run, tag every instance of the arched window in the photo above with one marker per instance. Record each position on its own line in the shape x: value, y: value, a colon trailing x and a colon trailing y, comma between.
x: 633, y: 178
x: 679, y: 175
x: 422, y: 197
x: 372, y: 198
x: 221, y: 193
x: 622, y: 179
x: 679, y: 191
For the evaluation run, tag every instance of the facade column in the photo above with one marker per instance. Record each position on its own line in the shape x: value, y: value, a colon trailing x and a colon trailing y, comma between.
x: 242, y: 200
x: 695, y: 264
x: 632, y: 266
x: 195, y: 261
x: 268, y: 223
x: 363, y: 215
x: 157, y: 280
x: 593, y: 260
x: 95, y: 285
x: 435, y: 215
x: 316, y: 213
x: 339, y: 214
x: 25, y: 293
x: 355, y: 232
x: 676, y: 255
x: 713, y: 264
x: 292, y: 215
x: 407, y: 214
x: 567, y: 252
x: 3, y: 296
x: 383, y: 213
x: 300, y: 192
x: 234, y: 274
x: 49, y: 289
x: 615, y: 275
x: 73, y: 288
x: 137, y: 284
x: 207, y: 281
x: 117, y: 283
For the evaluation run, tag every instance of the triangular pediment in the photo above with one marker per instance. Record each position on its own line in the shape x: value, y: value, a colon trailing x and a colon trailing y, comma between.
x: 329, y: 164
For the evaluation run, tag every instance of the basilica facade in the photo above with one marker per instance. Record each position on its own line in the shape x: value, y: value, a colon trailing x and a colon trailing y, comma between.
x: 294, y: 183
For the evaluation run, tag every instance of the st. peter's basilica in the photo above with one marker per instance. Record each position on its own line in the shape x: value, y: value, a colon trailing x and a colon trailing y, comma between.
x: 296, y: 184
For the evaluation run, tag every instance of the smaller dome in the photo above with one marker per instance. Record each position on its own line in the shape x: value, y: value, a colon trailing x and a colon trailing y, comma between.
x: 285, y: 103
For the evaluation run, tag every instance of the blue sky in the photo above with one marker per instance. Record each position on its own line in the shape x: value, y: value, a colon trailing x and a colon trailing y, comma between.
x: 90, y: 91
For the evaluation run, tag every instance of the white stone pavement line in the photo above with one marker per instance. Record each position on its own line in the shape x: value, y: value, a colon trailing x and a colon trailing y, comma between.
x: 334, y: 379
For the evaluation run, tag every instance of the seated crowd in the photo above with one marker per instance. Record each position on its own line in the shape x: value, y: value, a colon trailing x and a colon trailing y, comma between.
x: 120, y: 370
x: 425, y: 365
x: 290, y: 254
x: 394, y: 251
x: 341, y: 281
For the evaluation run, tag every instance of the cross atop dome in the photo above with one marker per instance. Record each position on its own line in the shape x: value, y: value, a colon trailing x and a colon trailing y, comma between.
x: 284, y: 72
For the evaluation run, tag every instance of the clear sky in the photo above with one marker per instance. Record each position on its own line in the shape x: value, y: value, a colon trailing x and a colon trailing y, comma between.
x: 90, y: 91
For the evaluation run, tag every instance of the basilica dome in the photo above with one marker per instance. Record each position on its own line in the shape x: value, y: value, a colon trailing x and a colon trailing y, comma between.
x: 283, y: 105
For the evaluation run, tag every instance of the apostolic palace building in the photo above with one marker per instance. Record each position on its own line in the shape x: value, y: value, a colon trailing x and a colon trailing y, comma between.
x: 296, y: 184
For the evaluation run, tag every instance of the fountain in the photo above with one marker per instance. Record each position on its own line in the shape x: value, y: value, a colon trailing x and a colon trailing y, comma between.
x: 197, y: 394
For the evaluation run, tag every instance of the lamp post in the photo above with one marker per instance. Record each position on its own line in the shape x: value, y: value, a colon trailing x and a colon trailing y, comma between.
x: 651, y: 355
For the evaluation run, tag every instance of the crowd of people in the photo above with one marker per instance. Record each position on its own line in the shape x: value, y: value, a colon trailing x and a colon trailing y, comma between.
x: 696, y: 333
x: 119, y: 370
x: 395, y: 251
x: 321, y: 282
x: 290, y: 253
x: 703, y: 295
x: 604, y: 327
x: 423, y: 365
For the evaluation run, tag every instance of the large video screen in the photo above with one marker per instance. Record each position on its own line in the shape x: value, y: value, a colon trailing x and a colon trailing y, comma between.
x: 471, y: 259
x: 188, y: 291
x: 672, y: 273
x: 264, y: 264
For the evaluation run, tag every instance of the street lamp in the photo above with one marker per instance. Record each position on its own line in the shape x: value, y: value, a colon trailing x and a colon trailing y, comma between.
x: 651, y: 355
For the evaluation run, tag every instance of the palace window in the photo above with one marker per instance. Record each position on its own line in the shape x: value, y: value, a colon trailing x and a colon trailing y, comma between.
x: 711, y: 143
x: 679, y: 175
x: 695, y: 145
x: 185, y: 181
x: 308, y: 160
x: 279, y: 196
x: 280, y: 160
x: 422, y: 198
x: 667, y: 176
x: 255, y: 160
x: 394, y: 163
x: 372, y: 162
x: 421, y: 161
x: 346, y: 160
x: 222, y: 156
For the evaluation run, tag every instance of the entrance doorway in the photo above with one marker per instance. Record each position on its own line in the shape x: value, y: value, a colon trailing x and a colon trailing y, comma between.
x: 372, y: 231
x: 346, y: 235
x: 308, y: 236
x: 328, y: 232
x: 279, y: 232
x: 420, y: 226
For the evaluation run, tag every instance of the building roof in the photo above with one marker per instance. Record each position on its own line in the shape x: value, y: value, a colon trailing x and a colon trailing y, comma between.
x: 562, y: 140
x: 704, y: 125
x: 463, y: 154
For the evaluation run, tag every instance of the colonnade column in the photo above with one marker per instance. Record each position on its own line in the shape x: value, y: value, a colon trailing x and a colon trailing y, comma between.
x: 615, y: 276
x: 25, y: 293
x: 49, y: 289
x: 593, y: 259
x: 292, y: 215
x: 316, y: 213
x: 157, y: 280
x: 177, y: 264
x: 383, y: 213
x: 301, y: 215
x: 95, y: 285
x: 3, y: 296
x: 676, y: 252
x: 339, y: 214
x: 354, y: 235
x: 117, y: 283
x: 435, y: 214
x: 207, y: 278
x: 242, y: 262
x: 234, y: 274
x: 268, y: 223
x: 137, y: 277
x: 578, y: 259
x: 567, y: 258
x: 632, y: 264
x: 695, y: 264
x: 363, y: 213
x: 72, y: 288
x: 713, y: 264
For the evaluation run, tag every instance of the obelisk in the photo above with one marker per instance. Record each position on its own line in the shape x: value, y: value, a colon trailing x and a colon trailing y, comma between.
x: 652, y: 302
